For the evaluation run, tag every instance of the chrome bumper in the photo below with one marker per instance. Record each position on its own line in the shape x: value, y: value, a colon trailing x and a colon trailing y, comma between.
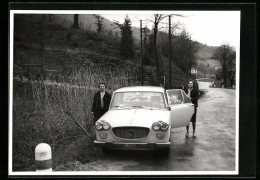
x: 132, y: 146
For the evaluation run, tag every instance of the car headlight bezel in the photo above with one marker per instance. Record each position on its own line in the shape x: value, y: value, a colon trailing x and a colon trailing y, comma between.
x: 102, y: 125
x: 160, y: 125
x: 99, y: 126
x: 156, y: 126
x: 106, y: 125
x: 164, y: 126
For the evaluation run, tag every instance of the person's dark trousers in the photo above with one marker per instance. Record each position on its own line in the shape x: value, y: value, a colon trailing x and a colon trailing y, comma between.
x: 98, y: 115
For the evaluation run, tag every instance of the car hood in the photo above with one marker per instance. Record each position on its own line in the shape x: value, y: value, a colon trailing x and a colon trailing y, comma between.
x: 135, y: 117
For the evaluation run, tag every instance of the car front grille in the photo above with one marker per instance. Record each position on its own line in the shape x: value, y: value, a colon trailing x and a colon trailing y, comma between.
x: 131, y: 132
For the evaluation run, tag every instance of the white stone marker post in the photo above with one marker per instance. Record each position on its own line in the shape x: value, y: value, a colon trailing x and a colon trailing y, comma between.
x: 43, y: 161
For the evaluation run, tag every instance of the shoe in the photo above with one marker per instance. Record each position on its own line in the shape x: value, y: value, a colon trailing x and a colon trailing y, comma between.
x: 194, y: 135
x: 187, y: 135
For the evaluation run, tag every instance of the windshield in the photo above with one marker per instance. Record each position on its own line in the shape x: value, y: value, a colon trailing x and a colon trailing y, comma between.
x: 138, y: 99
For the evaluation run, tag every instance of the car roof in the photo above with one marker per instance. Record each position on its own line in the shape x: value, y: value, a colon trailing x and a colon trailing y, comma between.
x: 141, y: 88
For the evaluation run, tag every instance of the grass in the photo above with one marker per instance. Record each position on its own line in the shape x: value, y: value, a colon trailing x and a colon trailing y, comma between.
x: 42, y: 119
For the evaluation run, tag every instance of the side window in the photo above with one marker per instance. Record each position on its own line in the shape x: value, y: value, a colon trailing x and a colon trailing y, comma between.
x: 174, y: 97
x: 185, y: 98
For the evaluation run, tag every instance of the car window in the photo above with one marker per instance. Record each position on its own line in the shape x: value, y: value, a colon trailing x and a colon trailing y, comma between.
x: 138, y: 99
x: 174, y: 97
x: 185, y: 98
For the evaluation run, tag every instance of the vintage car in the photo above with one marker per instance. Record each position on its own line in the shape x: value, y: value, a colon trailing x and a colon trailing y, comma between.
x: 141, y: 118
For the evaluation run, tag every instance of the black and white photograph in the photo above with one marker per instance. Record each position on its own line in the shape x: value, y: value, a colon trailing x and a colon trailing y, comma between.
x: 124, y: 92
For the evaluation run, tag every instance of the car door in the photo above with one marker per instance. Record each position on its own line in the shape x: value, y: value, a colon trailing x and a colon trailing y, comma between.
x: 181, y: 108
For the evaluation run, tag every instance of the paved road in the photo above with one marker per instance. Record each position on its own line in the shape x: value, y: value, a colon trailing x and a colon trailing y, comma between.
x: 212, y: 150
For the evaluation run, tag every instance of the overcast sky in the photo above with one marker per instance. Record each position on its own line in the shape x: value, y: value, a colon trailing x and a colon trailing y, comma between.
x: 208, y: 27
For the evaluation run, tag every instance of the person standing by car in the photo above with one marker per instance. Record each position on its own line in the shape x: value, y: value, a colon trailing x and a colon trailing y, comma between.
x: 101, y: 102
x: 193, y: 94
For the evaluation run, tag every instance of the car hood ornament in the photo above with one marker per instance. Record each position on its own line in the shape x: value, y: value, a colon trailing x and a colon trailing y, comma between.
x: 131, y: 132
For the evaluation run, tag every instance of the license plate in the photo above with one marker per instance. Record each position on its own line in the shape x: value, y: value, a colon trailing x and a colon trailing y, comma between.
x: 129, y: 146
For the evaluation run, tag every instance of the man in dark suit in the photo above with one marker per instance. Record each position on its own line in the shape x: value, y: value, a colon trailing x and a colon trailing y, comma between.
x: 101, y: 102
x: 193, y: 94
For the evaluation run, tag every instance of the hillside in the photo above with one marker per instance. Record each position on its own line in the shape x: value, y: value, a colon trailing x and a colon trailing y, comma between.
x: 56, y: 46
x: 205, y: 52
x: 52, y: 43
x: 87, y: 22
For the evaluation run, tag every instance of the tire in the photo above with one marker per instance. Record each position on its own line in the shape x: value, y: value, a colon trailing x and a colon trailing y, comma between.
x: 165, y: 152
x: 106, y: 151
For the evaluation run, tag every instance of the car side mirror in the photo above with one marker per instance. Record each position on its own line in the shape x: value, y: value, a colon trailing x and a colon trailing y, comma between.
x: 168, y: 108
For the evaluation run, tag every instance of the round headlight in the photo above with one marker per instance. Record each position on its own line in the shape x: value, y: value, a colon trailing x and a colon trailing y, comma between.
x: 164, y: 126
x: 156, y: 126
x: 98, y: 126
x: 106, y: 125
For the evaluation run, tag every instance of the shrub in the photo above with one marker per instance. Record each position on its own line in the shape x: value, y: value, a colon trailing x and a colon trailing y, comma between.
x: 75, y: 44
x: 68, y: 36
x: 104, y: 48
x: 24, y: 46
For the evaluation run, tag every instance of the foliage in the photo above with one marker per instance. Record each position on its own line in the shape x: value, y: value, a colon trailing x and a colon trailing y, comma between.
x: 69, y: 36
x: 203, y: 68
x: 99, y: 24
x: 127, y: 41
x: 184, y: 52
x: 227, y: 60
x: 148, y: 47
x: 231, y: 68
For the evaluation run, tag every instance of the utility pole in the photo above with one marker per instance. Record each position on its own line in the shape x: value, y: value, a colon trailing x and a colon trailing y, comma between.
x: 170, y: 58
x: 141, y: 34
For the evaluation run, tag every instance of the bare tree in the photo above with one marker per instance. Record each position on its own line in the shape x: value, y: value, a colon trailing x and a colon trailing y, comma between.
x: 158, y: 19
x: 224, y: 55
x: 75, y: 24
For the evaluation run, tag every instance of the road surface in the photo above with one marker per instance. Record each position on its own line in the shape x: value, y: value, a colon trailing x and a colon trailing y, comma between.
x: 212, y: 150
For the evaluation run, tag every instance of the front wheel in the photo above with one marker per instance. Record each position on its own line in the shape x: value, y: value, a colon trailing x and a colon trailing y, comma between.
x: 106, y: 151
x: 164, y: 151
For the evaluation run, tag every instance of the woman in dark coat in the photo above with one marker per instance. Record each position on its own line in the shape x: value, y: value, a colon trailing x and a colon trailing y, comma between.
x: 193, y: 94
x: 101, y: 102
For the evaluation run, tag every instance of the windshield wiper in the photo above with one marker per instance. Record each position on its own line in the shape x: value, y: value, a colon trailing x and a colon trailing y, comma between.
x: 121, y: 107
x: 147, y: 107
x: 142, y: 107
